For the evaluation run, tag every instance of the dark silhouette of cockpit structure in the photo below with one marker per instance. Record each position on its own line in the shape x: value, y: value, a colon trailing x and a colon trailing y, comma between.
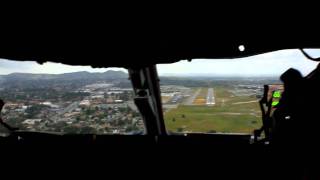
x: 291, y: 125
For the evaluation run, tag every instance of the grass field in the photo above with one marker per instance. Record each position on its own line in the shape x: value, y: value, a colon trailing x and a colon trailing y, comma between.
x: 224, y: 116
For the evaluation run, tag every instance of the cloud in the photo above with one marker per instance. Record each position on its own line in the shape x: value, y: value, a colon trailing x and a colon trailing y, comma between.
x: 8, y: 66
x: 15, y: 64
x: 273, y: 63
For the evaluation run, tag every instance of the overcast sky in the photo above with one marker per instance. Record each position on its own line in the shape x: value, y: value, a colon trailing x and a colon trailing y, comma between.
x: 273, y: 63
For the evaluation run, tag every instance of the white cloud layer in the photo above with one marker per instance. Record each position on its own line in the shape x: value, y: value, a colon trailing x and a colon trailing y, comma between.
x: 7, y: 67
x: 274, y: 63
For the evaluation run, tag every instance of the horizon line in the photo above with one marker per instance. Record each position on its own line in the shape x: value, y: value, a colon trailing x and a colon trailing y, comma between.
x: 63, y: 73
x: 163, y: 75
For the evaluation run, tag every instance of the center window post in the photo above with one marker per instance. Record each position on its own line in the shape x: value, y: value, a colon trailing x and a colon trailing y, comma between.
x: 146, y: 87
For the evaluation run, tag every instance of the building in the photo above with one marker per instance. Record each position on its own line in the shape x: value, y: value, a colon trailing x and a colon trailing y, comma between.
x: 84, y: 103
x: 47, y: 103
x: 118, y: 101
x: 97, y: 97
x: 114, y: 92
x: 71, y: 114
x: 109, y: 100
x: 31, y: 121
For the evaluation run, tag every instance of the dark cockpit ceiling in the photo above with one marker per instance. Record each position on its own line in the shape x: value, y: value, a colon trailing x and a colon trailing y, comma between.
x: 126, y: 36
x: 130, y: 45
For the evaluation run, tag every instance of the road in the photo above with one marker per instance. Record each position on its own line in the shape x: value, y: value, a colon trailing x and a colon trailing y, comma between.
x: 168, y: 107
x: 255, y: 101
x: 132, y: 106
x: 210, y: 97
x: 70, y: 108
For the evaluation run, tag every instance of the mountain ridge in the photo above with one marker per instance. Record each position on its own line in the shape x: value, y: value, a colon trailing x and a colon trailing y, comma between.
x: 110, y: 74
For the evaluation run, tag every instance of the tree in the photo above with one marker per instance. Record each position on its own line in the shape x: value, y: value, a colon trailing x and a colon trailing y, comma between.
x: 87, y: 130
x: 179, y: 129
x: 121, y: 123
x: 34, y: 110
x: 88, y: 111
x: 135, y: 114
x: 101, y: 116
x: 129, y: 128
x: 183, y: 116
x: 173, y: 119
x: 70, y: 130
x: 59, y: 126
x: 122, y: 110
x: 4, y: 130
x: 107, y: 129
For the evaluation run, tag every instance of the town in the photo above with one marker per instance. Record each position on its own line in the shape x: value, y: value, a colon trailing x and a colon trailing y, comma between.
x: 94, y: 108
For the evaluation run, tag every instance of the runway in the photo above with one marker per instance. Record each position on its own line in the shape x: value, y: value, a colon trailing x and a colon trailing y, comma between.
x: 210, y: 97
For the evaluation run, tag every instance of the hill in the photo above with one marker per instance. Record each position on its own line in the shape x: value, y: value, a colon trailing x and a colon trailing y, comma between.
x: 66, y: 76
x: 29, y: 80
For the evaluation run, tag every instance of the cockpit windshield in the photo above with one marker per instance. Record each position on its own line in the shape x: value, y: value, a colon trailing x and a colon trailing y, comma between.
x: 68, y: 99
x: 204, y: 95
x: 222, y: 95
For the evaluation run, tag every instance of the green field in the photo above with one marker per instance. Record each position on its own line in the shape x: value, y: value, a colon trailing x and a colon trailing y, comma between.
x: 224, y: 116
